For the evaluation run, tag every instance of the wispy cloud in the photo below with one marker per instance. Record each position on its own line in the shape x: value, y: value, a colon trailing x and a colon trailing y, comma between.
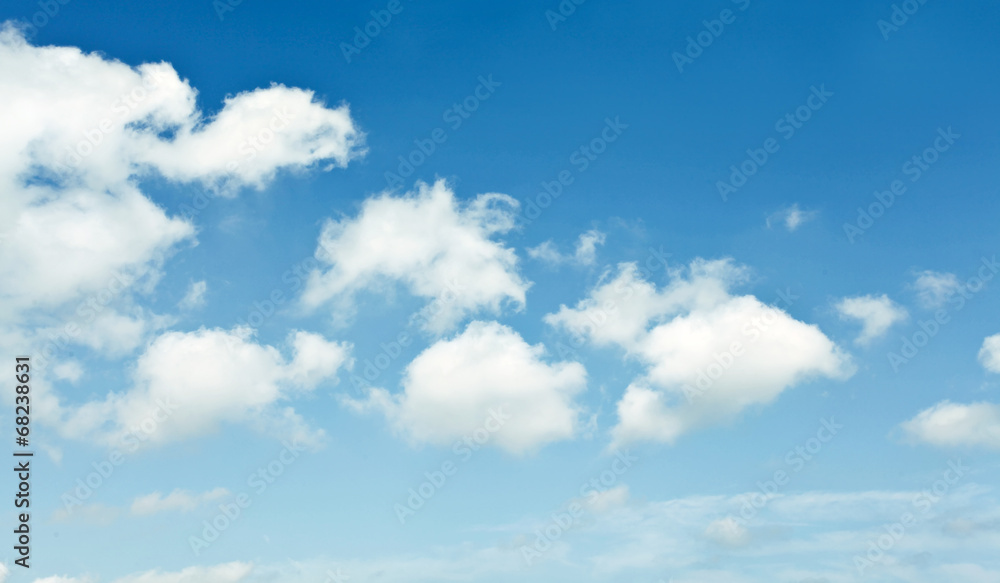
x: 178, y: 500
x: 791, y: 217
x: 585, y: 252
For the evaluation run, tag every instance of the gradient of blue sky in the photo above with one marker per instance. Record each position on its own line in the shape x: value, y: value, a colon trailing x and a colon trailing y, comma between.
x: 654, y: 188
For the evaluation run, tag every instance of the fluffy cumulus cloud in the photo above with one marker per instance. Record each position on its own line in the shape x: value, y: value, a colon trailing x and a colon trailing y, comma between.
x: 585, y: 252
x: 79, y: 118
x: 254, y: 135
x: 875, y: 313
x: 948, y: 424
x: 187, y: 384
x: 82, y: 130
x: 437, y: 247
x: 708, y: 354
x: 989, y: 354
x: 488, y: 384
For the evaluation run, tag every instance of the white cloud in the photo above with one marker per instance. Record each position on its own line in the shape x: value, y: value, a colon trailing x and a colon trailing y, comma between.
x: 451, y: 388
x: 948, y: 424
x: 80, y: 132
x: 876, y: 313
x: 793, y: 535
x: 195, y: 296
x: 586, y: 247
x: 254, y: 135
x: 438, y: 248
x: 728, y: 532
x: 584, y: 254
x: 178, y: 500
x: 618, y: 311
x: 114, y: 333
x: 604, y: 500
x: 792, y: 217
x: 188, y: 383
x: 66, y: 244
x: 54, y: 453
x: 934, y: 288
x: 789, y: 532
x: 225, y: 573
x: 547, y: 252
x: 97, y: 121
x: 70, y: 370
x: 989, y: 354
x: 708, y: 354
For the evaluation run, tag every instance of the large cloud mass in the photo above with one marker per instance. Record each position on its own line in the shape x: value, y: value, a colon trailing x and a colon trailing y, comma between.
x: 188, y: 384
x: 81, y: 131
x: 437, y: 247
x: 708, y: 354
x: 454, y: 387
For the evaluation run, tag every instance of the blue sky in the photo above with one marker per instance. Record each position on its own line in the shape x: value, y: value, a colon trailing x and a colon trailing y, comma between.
x: 252, y: 253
